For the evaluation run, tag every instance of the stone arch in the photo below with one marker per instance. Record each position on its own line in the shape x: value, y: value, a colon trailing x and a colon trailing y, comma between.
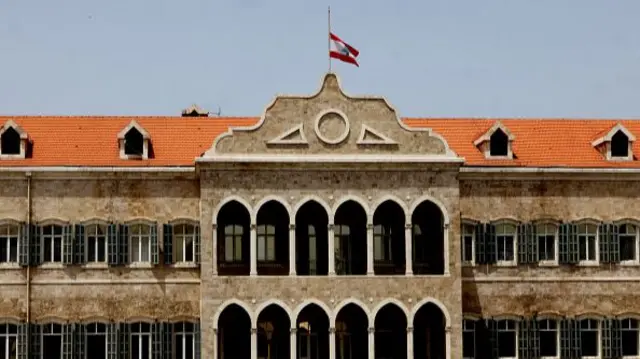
x: 304, y: 304
x: 345, y: 199
x: 311, y: 198
x: 344, y: 303
x: 226, y: 200
x: 382, y: 304
x: 267, y: 303
x: 394, y: 199
x: 430, y: 237
x: 425, y: 198
x: 226, y: 304
x: 263, y: 201
x: 311, y: 218
x: 437, y: 303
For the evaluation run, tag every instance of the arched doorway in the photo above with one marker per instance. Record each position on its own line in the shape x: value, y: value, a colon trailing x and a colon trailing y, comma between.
x: 429, y: 336
x: 352, y: 328
x: 350, y: 232
x: 312, y: 333
x: 234, y: 333
x: 311, y: 240
x: 272, y: 239
x: 274, y: 328
x: 390, y: 327
x: 428, y: 239
x: 388, y: 239
x: 233, y: 236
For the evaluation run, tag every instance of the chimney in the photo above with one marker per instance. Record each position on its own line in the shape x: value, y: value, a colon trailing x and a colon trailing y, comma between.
x: 194, y: 111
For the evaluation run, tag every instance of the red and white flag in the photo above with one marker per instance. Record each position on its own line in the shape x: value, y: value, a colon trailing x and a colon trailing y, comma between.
x: 343, y: 51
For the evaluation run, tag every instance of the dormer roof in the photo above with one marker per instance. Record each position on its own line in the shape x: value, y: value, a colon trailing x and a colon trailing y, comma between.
x: 11, y: 124
x: 609, y: 135
x: 194, y: 111
x: 131, y: 125
x: 498, y: 125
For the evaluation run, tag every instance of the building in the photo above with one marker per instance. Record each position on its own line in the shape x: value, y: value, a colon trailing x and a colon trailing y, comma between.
x: 326, y: 228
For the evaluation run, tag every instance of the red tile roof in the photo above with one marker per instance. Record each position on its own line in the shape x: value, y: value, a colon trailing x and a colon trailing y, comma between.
x: 177, y: 141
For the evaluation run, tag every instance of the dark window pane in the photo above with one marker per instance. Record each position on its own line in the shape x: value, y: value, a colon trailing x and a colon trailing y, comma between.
x: 629, y: 343
x: 57, y: 250
x: 468, y: 345
x: 507, y: 342
x: 96, y: 346
x: 135, y: 347
x: 188, y: 346
x: 13, y: 250
x: 145, y: 347
x: 179, y: 347
x: 627, y: 248
x: 52, y: 346
x: 3, y: 249
x: 101, y: 250
x: 589, y: 340
x: 188, y: 252
x: 91, y: 249
x: 47, y: 250
x: 548, y: 343
x: 468, y: 249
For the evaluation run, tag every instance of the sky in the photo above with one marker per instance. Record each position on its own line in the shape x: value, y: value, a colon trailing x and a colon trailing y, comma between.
x: 453, y: 58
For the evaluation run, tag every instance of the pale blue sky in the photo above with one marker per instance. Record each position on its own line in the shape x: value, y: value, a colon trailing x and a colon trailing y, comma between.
x: 508, y: 58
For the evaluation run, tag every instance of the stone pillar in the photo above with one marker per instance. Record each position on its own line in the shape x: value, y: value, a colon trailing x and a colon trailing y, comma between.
x: 445, y: 233
x: 253, y: 248
x: 214, y: 250
x: 214, y: 355
x: 332, y: 343
x: 372, y: 343
x: 370, y: 270
x: 292, y: 249
x: 331, y: 242
x: 408, y: 247
x: 293, y: 343
x: 447, y: 342
x: 254, y: 343
x: 410, y: 342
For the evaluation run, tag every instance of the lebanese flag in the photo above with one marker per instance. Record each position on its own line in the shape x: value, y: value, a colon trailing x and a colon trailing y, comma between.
x: 343, y: 51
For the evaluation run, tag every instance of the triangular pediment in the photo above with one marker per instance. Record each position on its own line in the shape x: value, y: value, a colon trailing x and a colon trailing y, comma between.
x: 293, y: 136
x: 131, y: 125
x: 609, y: 135
x: 369, y: 136
x: 495, y: 127
x: 11, y: 124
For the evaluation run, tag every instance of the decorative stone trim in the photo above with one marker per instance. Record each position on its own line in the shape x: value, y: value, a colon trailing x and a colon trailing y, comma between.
x: 382, y: 139
x: 408, y: 225
x: 409, y: 329
x: 253, y: 226
x: 293, y: 330
x: 369, y: 226
x: 371, y: 330
x: 331, y: 226
x: 332, y: 330
x: 340, y: 138
x: 282, y: 139
x: 214, y: 226
x: 254, y: 331
x: 292, y: 226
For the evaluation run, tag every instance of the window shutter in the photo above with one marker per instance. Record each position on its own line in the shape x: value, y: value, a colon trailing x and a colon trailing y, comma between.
x: 168, y: 340
x: 603, y: 243
x: 493, y: 338
x: 123, y: 244
x: 113, y: 246
x: 23, y: 245
x: 67, y: 341
x: 532, y: 239
x: 197, y: 340
x: 534, y: 338
x: 196, y: 243
x: 79, y: 345
x: 167, y: 242
x: 124, y: 340
x: 79, y: 244
x: 154, y: 243
x: 523, y: 248
x: 574, y: 248
x: 563, y: 243
x: 614, y: 243
x: 36, y: 256
x: 576, y: 338
x: 112, y: 341
x: 605, y: 338
x: 23, y: 340
x: 490, y: 244
x: 35, y: 332
x: 156, y: 340
x: 67, y: 244
x: 616, y: 339
x: 524, y: 348
x: 480, y: 245
x: 566, y: 348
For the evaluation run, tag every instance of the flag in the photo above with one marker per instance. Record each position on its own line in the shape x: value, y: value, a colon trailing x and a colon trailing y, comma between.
x: 343, y: 51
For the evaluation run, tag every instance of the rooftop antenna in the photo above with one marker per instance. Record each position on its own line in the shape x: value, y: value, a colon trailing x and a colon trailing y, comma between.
x: 217, y: 113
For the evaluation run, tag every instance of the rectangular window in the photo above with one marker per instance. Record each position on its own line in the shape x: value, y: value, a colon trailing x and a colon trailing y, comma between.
x: 382, y: 243
x: 507, y: 339
x: 628, y: 243
x: 51, y: 341
x: 589, y: 338
x: 266, y: 242
x: 546, y: 234
x: 630, y: 335
x: 184, y: 238
x: 52, y: 243
x: 342, y: 242
x: 468, y: 238
x: 141, y: 341
x: 140, y: 239
x: 505, y: 238
x: 233, y: 234
x: 549, y: 337
x: 587, y: 242
x: 9, y: 235
x: 183, y: 338
x: 96, y: 250
x: 313, y: 255
x: 96, y: 341
x: 8, y: 341
x: 468, y: 339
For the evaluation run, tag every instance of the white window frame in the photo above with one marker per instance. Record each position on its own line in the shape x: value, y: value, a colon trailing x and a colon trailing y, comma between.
x: 51, y: 237
x: 181, y: 334
x: 637, y: 330
x: 95, y: 235
x: 472, y: 330
x: 504, y: 233
x: 5, y: 336
x: 598, y: 336
x: 235, y: 239
x: 139, y: 236
x: 180, y: 240
x: 472, y: 234
x: 556, y: 245
x: 138, y: 336
x: 59, y: 335
x: 557, y: 335
x: 508, y: 330
x: 587, y: 234
x: 6, y: 233
x: 96, y: 333
x: 636, y: 233
x: 266, y: 234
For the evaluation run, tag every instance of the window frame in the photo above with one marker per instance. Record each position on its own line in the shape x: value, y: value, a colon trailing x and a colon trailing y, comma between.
x: 87, y: 234
x: 234, y: 236
x: 383, y: 236
x: 136, y: 260
x: 463, y: 236
x: 4, y: 336
x: 179, y: 240
x: 86, y: 335
x: 558, y: 338
x: 515, y: 330
x: 556, y: 241
x: 267, y: 238
x: 636, y: 224
x: 60, y: 335
x: 139, y: 334
x: 623, y: 329
x: 44, y: 237
x: 598, y: 335
x: 503, y: 224
x: 473, y: 320
x: 8, y: 224
x: 596, y: 254
x: 176, y: 333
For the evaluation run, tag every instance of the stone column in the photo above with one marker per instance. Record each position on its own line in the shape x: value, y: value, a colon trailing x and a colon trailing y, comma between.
x: 445, y: 231
x: 292, y: 249
x: 214, y: 355
x: 410, y: 342
x: 331, y: 242
x: 293, y: 343
x: 214, y: 250
x: 332, y: 343
x: 254, y: 343
x: 253, y: 248
x: 408, y: 247
x: 372, y: 343
x: 447, y: 342
x: 370, y: 270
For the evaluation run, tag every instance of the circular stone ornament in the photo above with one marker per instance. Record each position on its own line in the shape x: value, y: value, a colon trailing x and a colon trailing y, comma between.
x: 332, y: 126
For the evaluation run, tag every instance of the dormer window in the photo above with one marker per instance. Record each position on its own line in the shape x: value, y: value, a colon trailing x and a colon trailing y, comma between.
x: 134, y: 142
x: 13, y: 141
x: 616, y: 144
x: 496, y: 143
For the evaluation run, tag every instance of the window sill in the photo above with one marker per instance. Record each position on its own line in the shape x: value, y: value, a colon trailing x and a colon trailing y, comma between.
x: 52, y: 265
x: 10, y: 265
x: 468, y: 264
x: 588, y: 264
x: 96, y: 265
x: 140, y: 265
x: 184, y: 265
x: 506, y: 264
x: 632, y: 263
x: 548, y: 264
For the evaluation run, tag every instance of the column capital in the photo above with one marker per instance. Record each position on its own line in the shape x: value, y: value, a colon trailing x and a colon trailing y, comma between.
x: 293, y: 330
x: 371, y: 330
x: 292, y: 226
x: 253, y: 226
x: 445, y: 226
x: 369, y: 225
x: 332, y: 330
x: 215, y: 331
x: 331, y: 226
x: 254, y: 331
x: 214, y: 226
x: 409, y: 329
x: 408, y: 226
x: 447, y: 329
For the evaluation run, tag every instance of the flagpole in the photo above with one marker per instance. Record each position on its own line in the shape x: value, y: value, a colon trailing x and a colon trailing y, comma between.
x: 329, y: 37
